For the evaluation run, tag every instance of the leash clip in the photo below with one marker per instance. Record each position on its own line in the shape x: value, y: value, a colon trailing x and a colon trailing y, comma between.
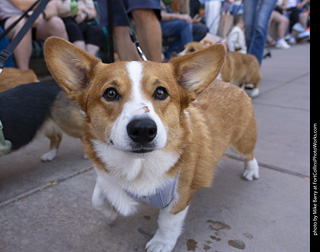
x: 136, y: 43
x: 141, y: 53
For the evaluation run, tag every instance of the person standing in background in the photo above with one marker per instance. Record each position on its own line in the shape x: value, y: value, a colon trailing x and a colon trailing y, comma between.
x: 212, y: 15
x: 146, y: 16
x: 256, y: 20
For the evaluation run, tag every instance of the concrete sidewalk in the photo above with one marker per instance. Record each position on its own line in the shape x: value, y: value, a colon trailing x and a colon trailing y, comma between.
x: 46, y: 207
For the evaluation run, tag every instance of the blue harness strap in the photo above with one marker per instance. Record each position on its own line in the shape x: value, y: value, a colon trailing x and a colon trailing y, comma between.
x: 161, y: 198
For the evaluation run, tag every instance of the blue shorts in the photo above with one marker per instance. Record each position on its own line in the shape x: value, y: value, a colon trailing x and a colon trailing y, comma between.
x: 118, y: 16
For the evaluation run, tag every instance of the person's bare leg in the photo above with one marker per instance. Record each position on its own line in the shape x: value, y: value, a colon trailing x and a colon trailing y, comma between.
x: 92, y: 49
x: 52, y: 27
x: 23, y: 51
x: 303, y: 19
x: 125, y: 47
x: 282, y: 22
x: 149, y: 33
x: 80, y: 44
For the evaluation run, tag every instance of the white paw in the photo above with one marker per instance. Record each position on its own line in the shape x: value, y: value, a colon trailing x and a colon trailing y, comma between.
x: 108, y: 212
x: 251, y: 170
x: 110, y: 216
x: 49, y: 156
x: 254, y: 92
x: 250, y: 175
x: 158, y: 246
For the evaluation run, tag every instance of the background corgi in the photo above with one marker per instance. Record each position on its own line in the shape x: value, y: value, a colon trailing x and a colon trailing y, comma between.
x: 31, y: 109
x: 238, y: 68
x: 146, y: 133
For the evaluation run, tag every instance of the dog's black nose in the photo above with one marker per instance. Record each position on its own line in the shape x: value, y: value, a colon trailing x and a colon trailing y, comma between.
x: 142, y: 131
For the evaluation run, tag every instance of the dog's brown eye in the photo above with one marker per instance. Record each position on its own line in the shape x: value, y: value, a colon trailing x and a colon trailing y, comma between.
x: 111, y: 94
x: 160, y: 93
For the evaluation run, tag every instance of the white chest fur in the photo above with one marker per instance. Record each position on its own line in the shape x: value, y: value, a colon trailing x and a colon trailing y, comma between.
x: 139, y: 176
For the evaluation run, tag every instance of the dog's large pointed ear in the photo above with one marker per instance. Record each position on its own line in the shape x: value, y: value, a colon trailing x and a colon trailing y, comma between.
x: 196, y: 71
x: 70, y: 66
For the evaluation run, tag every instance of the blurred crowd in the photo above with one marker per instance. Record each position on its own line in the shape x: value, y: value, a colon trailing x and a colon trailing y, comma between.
x: 162, y: 27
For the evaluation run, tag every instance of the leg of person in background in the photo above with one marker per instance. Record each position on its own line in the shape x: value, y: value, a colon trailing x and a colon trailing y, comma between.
x: 212, y: 15
x: 23, y: 51
x: 92, y: 49
x: 125, y: 48
x: 74, y: 33
x: 256, y: 25
x: 249, y: 17
x: 179, y: 29
x: 80, y: 43
x: 147, y: 26
x: 199, y: 31
x: 282, y: 23
x: 148, y: 33
x: 303, y: 19
x: 52, y: 27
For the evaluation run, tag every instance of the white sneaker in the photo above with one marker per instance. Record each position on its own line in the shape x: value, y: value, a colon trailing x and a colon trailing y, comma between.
x: 304, y: 34
x: 298, y: 27
x: 282, y: 44
x: 290, y: 39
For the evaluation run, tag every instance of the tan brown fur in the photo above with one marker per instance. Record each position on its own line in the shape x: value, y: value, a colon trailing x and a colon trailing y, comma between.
x: 224, y: 113
x: 11, y: 77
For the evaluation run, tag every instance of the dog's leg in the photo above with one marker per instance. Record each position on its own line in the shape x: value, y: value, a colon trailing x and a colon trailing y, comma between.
x: 245, y: 147
x: 170, y: 228
x: 101, y: 204
x: 251, y: 170
x: 255, y: 90
x: 55, y: 140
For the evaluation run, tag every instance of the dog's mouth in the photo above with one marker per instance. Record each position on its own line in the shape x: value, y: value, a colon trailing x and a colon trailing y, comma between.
x: 142, y: 151
x: 135, y: 148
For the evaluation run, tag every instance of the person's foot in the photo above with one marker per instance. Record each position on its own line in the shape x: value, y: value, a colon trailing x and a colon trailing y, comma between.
x: 282, y: 44
x: 298, y: 27
x: 304, y: 34
x: 290, y: 39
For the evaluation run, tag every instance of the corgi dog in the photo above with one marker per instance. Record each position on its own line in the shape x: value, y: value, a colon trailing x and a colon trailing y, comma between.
x: 155, y: 131
x: 28, y: 110
x: 238, y: 68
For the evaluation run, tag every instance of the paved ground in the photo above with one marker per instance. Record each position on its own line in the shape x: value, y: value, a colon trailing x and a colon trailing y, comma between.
x: 47, y: 206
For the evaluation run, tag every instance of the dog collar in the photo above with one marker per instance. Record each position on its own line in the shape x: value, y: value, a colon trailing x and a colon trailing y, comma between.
x: 161, y: 198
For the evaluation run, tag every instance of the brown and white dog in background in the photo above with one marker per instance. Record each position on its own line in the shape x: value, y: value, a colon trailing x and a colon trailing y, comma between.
x: 238, y: 68
x: 11, y: 77
x: 149, y: 127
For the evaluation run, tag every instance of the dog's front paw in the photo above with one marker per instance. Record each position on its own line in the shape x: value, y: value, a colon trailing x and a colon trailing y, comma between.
x: 251, y: 170
x: 250, y: 175
x: 158, y: 246
x: 109, y: 213
x: 49, y: 156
